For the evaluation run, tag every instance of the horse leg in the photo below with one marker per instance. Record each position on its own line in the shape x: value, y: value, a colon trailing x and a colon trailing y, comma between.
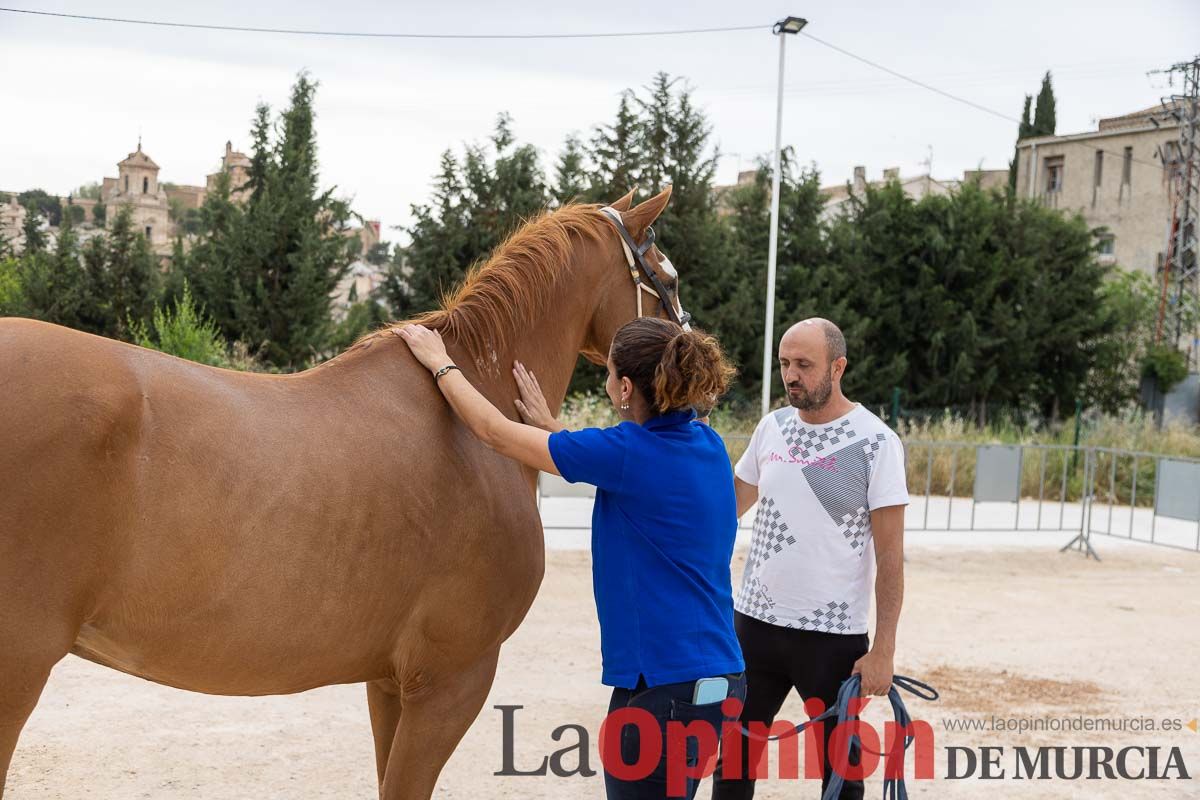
x: 383, y: 702
x: 434, y: 722
x: 23, y: 674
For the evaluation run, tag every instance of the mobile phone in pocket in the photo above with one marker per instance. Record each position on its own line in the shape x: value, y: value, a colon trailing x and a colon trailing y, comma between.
x: 710, y: 690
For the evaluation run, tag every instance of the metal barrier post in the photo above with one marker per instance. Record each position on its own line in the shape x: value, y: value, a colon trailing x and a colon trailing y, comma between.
x: 1083, y: 538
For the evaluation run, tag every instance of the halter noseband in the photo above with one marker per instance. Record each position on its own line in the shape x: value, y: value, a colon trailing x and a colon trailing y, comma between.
x: 635, y: 257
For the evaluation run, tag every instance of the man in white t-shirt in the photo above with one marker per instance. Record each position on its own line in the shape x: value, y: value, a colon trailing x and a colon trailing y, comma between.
x: 829, y: 482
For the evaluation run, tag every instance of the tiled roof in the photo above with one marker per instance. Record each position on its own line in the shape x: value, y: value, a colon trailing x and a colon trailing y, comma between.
x: 138, y: 159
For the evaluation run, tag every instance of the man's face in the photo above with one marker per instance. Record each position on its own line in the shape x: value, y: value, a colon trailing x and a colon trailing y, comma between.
x: 805, y: 368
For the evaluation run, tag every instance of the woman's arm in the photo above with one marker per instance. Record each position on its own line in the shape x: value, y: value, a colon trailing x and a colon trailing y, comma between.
x: 523, y: 443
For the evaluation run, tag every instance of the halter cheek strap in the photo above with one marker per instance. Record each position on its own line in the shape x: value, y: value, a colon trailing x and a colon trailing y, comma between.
x: 636, y: 275
x: 675, y: 309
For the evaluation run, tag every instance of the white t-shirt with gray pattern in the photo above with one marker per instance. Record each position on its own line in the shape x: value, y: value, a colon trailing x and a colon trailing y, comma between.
x: 812, y: 558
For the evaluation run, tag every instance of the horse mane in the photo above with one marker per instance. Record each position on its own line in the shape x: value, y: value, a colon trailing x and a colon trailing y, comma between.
x: 503, y: 293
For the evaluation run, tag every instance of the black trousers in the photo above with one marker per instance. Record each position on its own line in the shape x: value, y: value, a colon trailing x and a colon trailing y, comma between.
x: 666, y: 703
x: 778, y: 660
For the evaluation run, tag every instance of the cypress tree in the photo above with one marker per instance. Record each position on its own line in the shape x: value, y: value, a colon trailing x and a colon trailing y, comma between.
x: 570, y: 175
x: 1043, y: 116
x: 616, y: 154
x: 265, y: 271
x: 35, y: 238
x: 476, y: 203
x: 1023, y: 130
x: 131, y: 277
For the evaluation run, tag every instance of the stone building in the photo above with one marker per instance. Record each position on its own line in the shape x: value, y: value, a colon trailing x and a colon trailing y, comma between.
x: 155, y: 203
x: 12, y: 223
x: 361, y: 283
x: 1113, y: 176
x: 136, y: 186
x: 836, y: 195
x: 238, y: 166
x: 916, y: 187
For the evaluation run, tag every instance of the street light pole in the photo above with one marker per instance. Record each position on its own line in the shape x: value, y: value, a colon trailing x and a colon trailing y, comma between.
x: 788, y: 25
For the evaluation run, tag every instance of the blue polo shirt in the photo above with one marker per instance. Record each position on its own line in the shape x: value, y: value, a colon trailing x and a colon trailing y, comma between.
x: 662, y: 538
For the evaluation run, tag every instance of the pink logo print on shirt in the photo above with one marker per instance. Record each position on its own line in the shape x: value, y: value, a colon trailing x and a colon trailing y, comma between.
x: 827, y: 463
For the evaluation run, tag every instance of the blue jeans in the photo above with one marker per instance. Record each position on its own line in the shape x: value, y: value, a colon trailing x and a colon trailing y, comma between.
x: 665, y: 703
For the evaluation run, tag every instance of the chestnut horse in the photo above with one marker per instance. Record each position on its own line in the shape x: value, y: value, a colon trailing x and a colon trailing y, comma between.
x: 249, y: 534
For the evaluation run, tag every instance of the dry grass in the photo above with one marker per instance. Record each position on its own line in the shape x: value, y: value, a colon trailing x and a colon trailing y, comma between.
x: 948, y: 467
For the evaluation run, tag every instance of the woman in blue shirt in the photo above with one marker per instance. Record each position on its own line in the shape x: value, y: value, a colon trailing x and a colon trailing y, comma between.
x: 663, y: 526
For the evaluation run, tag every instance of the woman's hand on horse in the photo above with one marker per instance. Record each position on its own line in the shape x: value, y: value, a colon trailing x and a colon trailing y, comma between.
x: 426, y: 345
x: 532, y: 403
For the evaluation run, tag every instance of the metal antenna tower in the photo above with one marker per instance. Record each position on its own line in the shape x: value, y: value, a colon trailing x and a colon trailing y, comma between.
x: 1181, y: 159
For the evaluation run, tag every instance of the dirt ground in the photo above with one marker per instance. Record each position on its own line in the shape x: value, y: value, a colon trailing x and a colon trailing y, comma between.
x: 1000, y: 630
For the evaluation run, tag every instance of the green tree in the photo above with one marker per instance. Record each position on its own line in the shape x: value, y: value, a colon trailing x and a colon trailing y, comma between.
x: 379, y: 254
x: 31, y: 231
x: 209, y: 267
x: 616, y: 153
x: 12, y: 303
x: 805, y: 284
x: 88, y: 191
x: 187, y: 220
x: 1023, y: 130
x: 476, y: 203
x: 182, y: 330
x: 100, y: 214
x: 1129, y: 303
x: 293, y: 251
x: 53, y: 287
x: 975, y: 300
x: 570, y: 174
x: 128, y: 277
x: 1044, y: 117
x: 362, y: 317
x: 266, y: 271
x: 45, y: 203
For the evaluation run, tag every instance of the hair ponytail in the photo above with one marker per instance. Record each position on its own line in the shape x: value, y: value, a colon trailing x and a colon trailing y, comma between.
x: 672, y: 368
x: 692, y: 373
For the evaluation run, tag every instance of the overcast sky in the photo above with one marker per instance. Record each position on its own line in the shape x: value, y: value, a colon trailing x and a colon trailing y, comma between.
x: 75, y: 95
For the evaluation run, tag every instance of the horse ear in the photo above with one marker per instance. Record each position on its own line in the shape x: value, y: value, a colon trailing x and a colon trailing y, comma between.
x: 625, y: 202
x: 642, y: 216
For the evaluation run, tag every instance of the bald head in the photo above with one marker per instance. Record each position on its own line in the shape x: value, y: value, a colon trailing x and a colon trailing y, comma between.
x: 812, y: 358
x: 808, y: 331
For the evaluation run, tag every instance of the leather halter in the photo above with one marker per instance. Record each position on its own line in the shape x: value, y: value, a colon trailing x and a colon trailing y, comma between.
x: 635, y: 257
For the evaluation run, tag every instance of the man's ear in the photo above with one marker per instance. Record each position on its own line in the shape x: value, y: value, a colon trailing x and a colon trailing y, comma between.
x: 625, y: 202
x: 638, y: 219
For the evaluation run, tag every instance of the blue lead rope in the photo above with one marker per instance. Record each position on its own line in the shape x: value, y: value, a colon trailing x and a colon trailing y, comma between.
x: 893, y: 788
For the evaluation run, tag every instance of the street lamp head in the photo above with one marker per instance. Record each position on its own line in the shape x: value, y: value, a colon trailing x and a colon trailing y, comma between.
x: 790, y: 25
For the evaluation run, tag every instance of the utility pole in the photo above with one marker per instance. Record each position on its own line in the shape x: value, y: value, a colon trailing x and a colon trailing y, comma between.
x: 1181, y: 159
x: 783, y: 28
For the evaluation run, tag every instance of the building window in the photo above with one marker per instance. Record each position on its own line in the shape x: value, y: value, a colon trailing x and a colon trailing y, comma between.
x: 147, y: 231
x: 1127, y: 167
x: 126, y: 184
x: 1099, y: 167
x: 145, y: 185
x: 1171, y: 160
x: 1105, y: 246
x: 1054, y: 174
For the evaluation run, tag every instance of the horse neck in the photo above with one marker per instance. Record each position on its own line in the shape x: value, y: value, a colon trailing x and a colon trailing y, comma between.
x: 549, y: 347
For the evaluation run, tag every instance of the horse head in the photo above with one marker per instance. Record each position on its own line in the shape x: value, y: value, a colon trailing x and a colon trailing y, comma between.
x: 634, y: 277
